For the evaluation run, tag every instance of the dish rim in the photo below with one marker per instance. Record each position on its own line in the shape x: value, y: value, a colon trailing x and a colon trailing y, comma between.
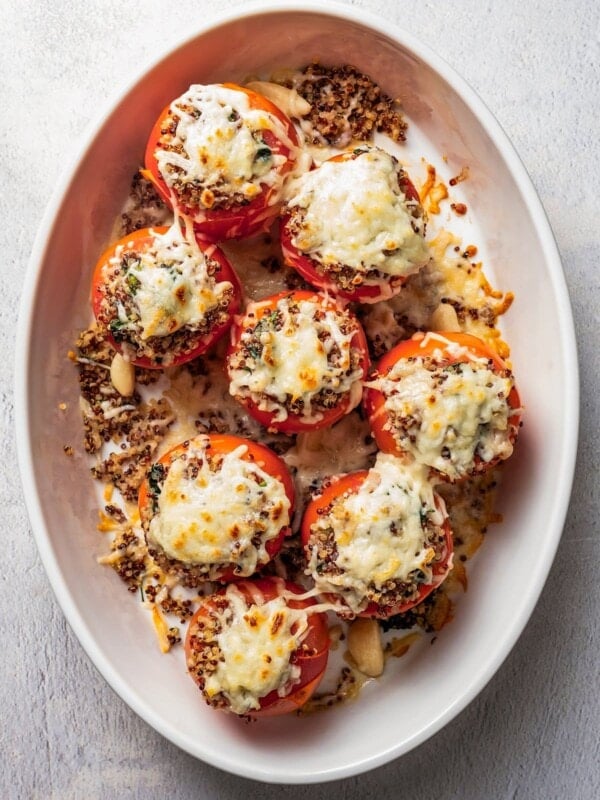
x: 565, y: 330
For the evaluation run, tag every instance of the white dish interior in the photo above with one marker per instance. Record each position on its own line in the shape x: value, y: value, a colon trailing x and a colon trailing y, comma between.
x: 422, y: 692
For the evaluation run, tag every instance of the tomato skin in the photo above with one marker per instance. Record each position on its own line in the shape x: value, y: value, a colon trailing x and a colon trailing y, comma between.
x: 294, y: 422
x: 351, y: 482
x: 141, y: 240
x: 374, y: 401
x: 237, y: 222
x: 312, y: 663
x: 221, y: 444
x: 312, y: 271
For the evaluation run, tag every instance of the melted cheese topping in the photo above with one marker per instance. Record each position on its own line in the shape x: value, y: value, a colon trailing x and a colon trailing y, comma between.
x: 297, y: 360
x: 170, y: 284
x: 222, y: 146
x: 445, y: 416
x: 256, y: 643
x: 354, y: 213
x: 378, y: 532
x: 214, y: 517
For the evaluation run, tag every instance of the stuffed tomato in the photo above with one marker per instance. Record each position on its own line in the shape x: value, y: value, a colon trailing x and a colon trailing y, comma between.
x: 297, y: 361
x: 255, y: 650
x: 216, y: 507
x: 447, y: 401
x: 377, y: 542
x: 354, y: 226
x: 162, y: 297
x: 219, y: 154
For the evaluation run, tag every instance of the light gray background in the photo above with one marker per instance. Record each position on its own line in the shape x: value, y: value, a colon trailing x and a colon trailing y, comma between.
x: 534, y: 731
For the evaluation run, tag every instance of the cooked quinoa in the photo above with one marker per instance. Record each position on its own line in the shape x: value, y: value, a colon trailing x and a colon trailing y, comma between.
x: 346, y: 105
x: 132, y: 426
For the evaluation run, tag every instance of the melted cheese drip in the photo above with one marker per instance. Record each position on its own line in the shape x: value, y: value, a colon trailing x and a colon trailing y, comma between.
x: 221, y: 136
x: 356, y: 214
x: 463, y: 416
x: 212, y: 518
x: 295, y: 362
x: 173, y: 287
x: 255, y: 645
x: 369, y: 552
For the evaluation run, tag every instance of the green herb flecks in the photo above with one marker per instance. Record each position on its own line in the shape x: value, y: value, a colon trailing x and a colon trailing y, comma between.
x: 133, y: 282
x: 116, y: 327
x: 156, y: 477
x: 263, y: 154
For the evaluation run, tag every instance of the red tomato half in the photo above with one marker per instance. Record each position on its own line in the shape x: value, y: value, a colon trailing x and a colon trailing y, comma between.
x: 317, y: 275
x: 294, y: 423
x: 310, y: 657
x: 240, y: 220
x: 351, y: 484
x: 221, y: 444
x: 192, y: 344
x: 418, y: 347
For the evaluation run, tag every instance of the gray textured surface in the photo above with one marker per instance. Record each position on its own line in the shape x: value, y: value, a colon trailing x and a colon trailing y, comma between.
x: 534, y: 731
